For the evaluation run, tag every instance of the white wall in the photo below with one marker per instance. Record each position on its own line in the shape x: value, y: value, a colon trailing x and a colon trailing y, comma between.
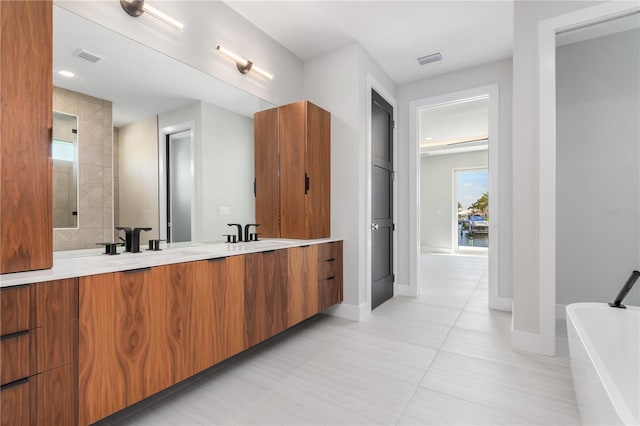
x: 336, y: 81
x: 483, y: 75
x: 223, y: 167
x: 526, y: 265
x: 226, y: 173
x: 598, y: 173
x: 436, y: 196
x: 207, y: 23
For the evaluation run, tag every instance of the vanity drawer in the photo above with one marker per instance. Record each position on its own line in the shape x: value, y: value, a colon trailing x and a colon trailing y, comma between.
x: 54, y: 345
x: 14, y: 309
x: 329, y: 260
x: 329, y: 292
x: 16, y: 404
x: 15, y: 357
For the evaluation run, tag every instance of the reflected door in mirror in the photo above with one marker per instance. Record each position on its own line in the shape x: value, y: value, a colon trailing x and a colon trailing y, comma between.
x: 64, y: 152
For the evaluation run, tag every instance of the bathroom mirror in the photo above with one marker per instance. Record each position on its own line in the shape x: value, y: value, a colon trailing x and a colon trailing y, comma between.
x: 135, y: 115
x: 64, y: 153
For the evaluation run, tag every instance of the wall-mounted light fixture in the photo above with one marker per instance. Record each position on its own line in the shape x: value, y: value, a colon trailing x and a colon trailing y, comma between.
x: 243, y: 64
x: 136, y: 8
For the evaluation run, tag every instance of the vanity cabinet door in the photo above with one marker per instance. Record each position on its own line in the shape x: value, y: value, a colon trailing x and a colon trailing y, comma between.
x: 26, y: 185
x: 217, y: 311
x: 121, y: 359
x: 265, y: 295
x: 293, y: 171
x: 302, y: 283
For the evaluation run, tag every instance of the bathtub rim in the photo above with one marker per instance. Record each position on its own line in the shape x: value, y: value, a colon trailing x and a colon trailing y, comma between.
x: 617, y: 400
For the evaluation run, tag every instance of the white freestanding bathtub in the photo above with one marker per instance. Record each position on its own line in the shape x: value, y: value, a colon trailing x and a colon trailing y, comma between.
x: 604, y: 343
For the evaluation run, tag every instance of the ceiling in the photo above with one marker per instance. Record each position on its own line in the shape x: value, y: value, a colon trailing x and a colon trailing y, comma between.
x: 395, y: 33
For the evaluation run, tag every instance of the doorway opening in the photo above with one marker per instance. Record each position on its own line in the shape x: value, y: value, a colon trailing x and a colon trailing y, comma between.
x: 474, y: 140
x: 178, y: 184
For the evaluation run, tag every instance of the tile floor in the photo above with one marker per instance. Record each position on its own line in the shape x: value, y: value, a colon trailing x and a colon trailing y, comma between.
x: 443, y: 358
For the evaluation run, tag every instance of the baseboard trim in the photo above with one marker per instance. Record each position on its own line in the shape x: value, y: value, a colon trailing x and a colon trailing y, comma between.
x: 404, y: 290
x: 501, y: 304
x: 531, y: 342
x: 349, y: 312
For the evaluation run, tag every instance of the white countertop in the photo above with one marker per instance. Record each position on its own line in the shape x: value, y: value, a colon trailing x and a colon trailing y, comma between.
x: 79, y: 263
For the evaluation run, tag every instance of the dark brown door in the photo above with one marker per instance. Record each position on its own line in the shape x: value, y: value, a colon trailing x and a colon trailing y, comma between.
x: 382, y: 227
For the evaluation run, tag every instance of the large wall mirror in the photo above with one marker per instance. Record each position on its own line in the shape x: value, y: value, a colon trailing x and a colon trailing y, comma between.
x: 159, y: 143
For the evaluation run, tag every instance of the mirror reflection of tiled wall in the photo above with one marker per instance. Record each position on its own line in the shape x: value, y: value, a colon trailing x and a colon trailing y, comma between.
x: 95, y: 165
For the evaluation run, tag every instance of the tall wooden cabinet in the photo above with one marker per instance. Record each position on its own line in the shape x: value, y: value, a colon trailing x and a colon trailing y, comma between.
x: 293, y: 171
x: 26, y: 90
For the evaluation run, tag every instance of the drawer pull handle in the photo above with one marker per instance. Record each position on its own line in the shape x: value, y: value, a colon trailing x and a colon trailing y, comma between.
x: 16, y: 383
x: 331, y: 277
x: 333, y: 259
x: 304, y: 246
x: 132, y: 271
x: 16, y: 334
x: 217, y: 259
x: 269, y: 251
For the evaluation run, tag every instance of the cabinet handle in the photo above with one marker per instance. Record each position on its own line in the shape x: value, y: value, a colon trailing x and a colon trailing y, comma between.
x: 269, y: 251
x: 217, y: 259
x: 16, y: 334
x: 16, y: 383
x: 254, y: 188
x: 132, y: 271
x: 306, y: 184
x: 333, y: 259
x: 305, y: 246
x: 331, y: 277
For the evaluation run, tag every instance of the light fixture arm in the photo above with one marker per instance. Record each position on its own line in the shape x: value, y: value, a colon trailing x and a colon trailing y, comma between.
x: 244, y: 69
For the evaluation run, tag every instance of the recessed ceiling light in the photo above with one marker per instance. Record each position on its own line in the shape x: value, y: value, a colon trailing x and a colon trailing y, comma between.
x: 66, y: 73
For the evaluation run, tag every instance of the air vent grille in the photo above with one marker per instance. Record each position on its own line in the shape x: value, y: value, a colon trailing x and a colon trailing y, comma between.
x: 432, y: 57
x: 88, y: 56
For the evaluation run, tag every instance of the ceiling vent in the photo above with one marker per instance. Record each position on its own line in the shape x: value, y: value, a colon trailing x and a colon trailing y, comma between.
x: 427, y: 59
x: 88, y: 56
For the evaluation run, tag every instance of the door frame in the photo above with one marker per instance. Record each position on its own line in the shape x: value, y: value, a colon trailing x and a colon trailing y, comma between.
x: 547, y: 30
x: 373, y: 84
x: 493, y: 92
x: 162, y: 176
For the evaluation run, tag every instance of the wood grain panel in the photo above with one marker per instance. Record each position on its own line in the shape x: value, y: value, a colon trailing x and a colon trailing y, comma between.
x: 228, y: 295
x: 202, y: 334
x: 171, y: 348
x: 54, y: 345
x: 302, y: 284
x: 55, y: 396
x: 265, y: 297
x: 54, y: 301
x: 15, y: 406
x: 328, y: 293
x: 292, y: 170
x: 318, y: 167
x: 266, y: 162
x: 14, y: 358
x: 14, y: 309
x: 102, y: 378
x: 26, y: 202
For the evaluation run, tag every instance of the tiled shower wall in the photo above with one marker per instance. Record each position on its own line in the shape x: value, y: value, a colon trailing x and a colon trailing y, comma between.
x: 95, y: 166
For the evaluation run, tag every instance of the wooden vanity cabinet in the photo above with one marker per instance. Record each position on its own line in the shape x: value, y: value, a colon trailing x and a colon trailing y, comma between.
x: 217, y: 311
x: 265, y: 295
x: 26, y: 203
x: 329, y: 275
x: 302, y: 288
x: 293, y: 171
x: 39, y: 324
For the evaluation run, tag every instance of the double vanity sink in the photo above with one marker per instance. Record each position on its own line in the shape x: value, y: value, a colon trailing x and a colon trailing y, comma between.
x: 78, y: 263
